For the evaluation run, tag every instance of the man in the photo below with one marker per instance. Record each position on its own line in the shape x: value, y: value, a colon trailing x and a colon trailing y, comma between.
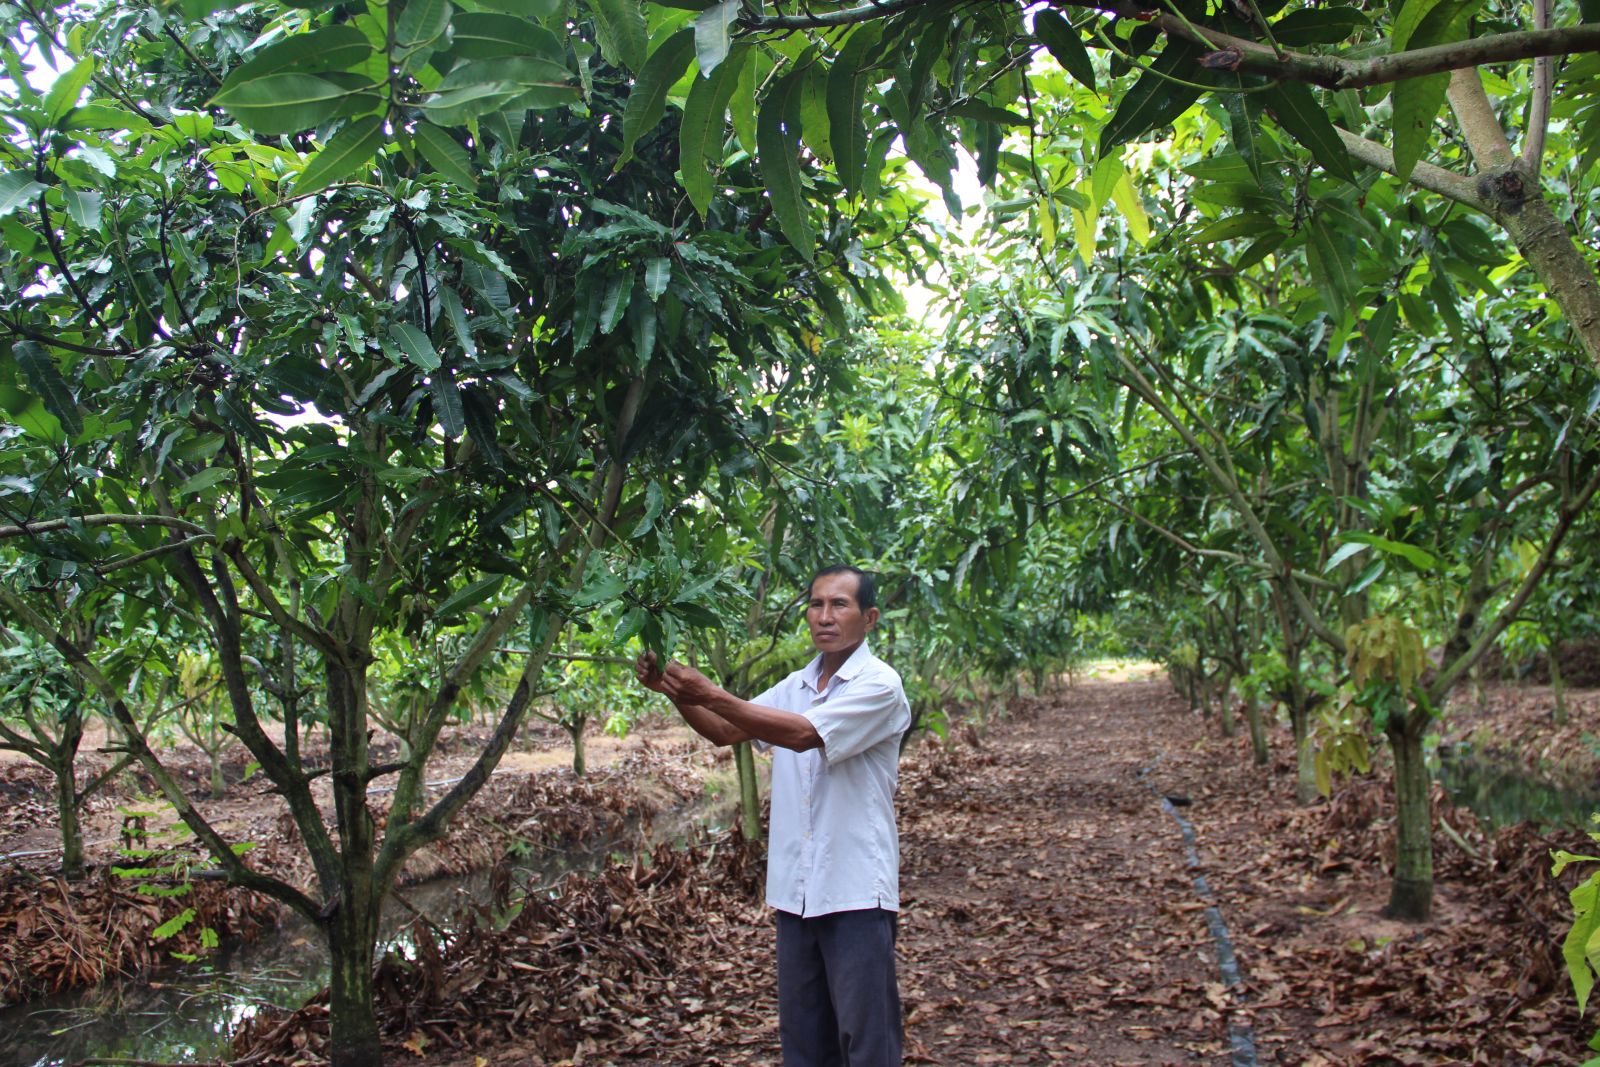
x: 833, y: 861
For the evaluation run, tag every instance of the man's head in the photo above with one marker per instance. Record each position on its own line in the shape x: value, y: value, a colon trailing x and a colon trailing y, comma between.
x: 841, y: 607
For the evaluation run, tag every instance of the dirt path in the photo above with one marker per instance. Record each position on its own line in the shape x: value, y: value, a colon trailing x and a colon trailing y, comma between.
x: 1049, y: 913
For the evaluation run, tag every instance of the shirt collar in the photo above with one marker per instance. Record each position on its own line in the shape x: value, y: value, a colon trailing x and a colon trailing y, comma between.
x: 851, y: 668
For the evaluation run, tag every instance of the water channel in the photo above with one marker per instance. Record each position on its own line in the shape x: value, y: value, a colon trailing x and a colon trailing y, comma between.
x: 184, y: 1014
x: 1500, y: 792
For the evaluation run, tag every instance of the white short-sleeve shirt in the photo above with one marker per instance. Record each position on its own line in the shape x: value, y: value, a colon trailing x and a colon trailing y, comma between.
x: 833, y: 844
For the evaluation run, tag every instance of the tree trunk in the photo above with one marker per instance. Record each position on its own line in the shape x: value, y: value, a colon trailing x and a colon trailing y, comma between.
x: 1305, y: 760
x: 352, y: 934
x: 64, y: 764
x: 1411, y: 894
x: 1258, y: 729
x: 1558, y: 689
x: 744, y: 758
x: 352, y: 928
x: 67, y: 813
x: 580, y: 759
x: 1225, y: 705
x: 219, y: 784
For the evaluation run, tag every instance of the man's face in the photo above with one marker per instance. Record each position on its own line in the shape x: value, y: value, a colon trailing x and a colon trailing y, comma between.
x: 837, y: 622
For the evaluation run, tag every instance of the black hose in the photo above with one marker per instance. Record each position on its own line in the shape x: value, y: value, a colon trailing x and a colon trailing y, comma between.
x: 1241, y: 1036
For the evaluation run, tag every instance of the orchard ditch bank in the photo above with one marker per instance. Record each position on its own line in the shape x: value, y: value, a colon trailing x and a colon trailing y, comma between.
x: 117, y: 927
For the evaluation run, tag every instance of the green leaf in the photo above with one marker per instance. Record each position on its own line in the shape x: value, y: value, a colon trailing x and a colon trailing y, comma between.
x: 36, y: 421
x: 605, y: 588
x: 1058, y: 36
x: 455, y: 107
x: 480, y: 86
x: 1345, y: 552
x: 422, y: 22
x: 447, y: 404
x: 283, y: 103
x: 647, y: 100
x: 979, y: 111
x: 701, y: 133
x: 469, y: 596
x: 642, y: 316
x: 173, y: 925
x: 632, y: 622
x: 1331, y: 269
x: 713, y: 40
x: 528, y: 9
x: 200, y: 482
x: 1416, y: 104
x: 1561, y: 858
x: 45, y: 380
x: 513, y: 70
x: 455, y: 313
x: 1297, y: 111
x: 104, y: 117
x: 1153, y: 101
x: 416, y: 346
x: 445, y: 154
x: 346, y: 152
x: 63, y: 95
x: 847, y: 93
x: 1227, y: 229
x: 16, y: 190
x: 657, y: 275
x: 743, y: 107
x: 1419, y: 558
x: 1318, y: 25
x: 338, y: 47
x: 1575, y: 946
x: 1244, y: 121
x: 624, y: 35
x: 487, y: 35
x: 1417, y: 101
x: 83, y: 206
x: 653, y: 502
x: 814, y: 128
x: 778, y: 143
x: 615, y: 303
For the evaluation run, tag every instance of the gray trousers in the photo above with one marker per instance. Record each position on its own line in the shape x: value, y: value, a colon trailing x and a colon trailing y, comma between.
x: 838, y: 1001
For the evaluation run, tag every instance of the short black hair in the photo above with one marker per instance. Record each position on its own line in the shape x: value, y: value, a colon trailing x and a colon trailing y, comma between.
x: 866, y: 586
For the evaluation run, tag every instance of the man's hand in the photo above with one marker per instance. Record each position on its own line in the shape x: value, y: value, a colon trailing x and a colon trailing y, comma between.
x: 648, y: 671
x: 680, y: 684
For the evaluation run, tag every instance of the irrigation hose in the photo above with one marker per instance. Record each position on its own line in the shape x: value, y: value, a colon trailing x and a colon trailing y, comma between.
x: 1241, y: 1035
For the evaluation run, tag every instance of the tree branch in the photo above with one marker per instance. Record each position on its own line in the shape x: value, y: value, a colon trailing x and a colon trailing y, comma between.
x: 1446, y: 183
x: 823, y: 20
x: 29, y: 529
x: 160, y: 550
x: 1335, y: 72
x: 1543, y: 88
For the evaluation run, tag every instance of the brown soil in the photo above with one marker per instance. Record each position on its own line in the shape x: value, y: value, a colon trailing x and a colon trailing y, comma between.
x: 1049, y: 915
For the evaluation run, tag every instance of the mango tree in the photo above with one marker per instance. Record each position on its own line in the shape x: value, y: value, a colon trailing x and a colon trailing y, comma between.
x: 361, y: 340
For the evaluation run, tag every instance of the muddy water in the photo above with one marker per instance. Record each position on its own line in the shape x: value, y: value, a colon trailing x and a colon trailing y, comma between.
x: 185, y: 1014
x: 1501, y: 793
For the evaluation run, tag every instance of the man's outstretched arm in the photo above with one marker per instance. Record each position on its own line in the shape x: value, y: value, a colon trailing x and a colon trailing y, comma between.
x: 718, y: 715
